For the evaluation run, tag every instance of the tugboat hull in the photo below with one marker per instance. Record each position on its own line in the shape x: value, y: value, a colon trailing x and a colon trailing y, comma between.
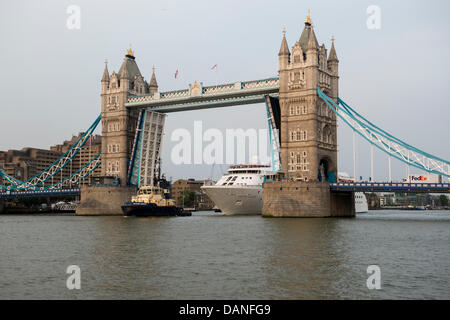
x: 151, y: 210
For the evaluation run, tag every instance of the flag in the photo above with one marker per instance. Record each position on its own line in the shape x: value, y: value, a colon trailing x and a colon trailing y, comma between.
x: 214, y: 66
x: 176, y: 74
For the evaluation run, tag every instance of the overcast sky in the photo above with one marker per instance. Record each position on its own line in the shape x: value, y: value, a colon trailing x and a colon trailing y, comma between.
x: 397, y: 76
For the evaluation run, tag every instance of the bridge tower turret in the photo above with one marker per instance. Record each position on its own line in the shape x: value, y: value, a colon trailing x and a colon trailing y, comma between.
x: 308, y: 127
x: 105, y: 78
x: 333, y: 65
x: 153, y: 87
x: 283, y: 61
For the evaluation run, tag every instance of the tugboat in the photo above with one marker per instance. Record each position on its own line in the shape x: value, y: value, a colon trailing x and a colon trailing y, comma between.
x: 152, y: 201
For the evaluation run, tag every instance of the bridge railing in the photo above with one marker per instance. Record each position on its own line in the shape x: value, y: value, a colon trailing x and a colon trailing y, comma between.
x: 269, y: 83
x: 39, y: 193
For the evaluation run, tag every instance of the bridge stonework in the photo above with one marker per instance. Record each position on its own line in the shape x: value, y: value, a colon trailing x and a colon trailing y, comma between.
x: 103, y: 200
x: 306, y: 199
x: 308, y: 126
x: 308, y: 133
x: 119, y: 122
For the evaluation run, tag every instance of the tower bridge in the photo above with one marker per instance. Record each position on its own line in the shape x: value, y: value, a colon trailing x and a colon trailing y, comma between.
x: 303, y: 106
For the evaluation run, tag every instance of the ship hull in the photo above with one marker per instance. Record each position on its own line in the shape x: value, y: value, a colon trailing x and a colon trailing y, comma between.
x: 151, y: 210
x: 236, y: 200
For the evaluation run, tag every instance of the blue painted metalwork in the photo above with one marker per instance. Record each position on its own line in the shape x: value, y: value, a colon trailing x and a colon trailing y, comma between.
x: 134, y: 167
x: 385, y: 141
x: 80, y: 178
x: 39, y: 193
x: 273, y: 138
x: 391, y: 187
x: 52, y: 170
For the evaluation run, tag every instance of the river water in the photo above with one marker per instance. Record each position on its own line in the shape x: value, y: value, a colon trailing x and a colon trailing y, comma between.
x: 209, y: 256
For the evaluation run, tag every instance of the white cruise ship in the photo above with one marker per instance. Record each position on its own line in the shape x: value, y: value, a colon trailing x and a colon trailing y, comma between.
x: 240, y: 191
x: 360, y: 198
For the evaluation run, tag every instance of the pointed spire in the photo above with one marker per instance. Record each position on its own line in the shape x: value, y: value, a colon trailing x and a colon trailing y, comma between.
x: 333, y: 55
x: 153, y: 82
x: 312, y: 41
x: 284, y: 49
x: 308, y: 18
x: 130, y: 52
x: 105, y: 77
x: 124, y: 71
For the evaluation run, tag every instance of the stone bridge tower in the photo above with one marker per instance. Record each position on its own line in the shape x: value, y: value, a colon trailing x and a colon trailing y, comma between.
x: 308, y: 126
x: 118, y: 123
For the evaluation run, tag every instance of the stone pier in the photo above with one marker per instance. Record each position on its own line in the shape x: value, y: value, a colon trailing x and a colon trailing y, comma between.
x: 306, y: 199
x: 104, y: 200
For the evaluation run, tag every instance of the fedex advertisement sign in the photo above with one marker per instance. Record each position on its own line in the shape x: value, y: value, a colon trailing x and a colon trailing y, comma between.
x: 418, y: 178
x: 424, y: 178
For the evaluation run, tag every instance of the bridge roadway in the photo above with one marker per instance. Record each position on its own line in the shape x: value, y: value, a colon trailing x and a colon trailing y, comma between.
x: 391, y: 187
x: 337, y: 187
x: 40, y: 193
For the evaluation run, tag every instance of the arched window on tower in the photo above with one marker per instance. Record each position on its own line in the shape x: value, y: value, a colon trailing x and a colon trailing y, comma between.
x: 326, y: 135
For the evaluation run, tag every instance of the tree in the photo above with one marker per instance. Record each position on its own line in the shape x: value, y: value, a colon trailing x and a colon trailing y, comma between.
x: 443, y: 199
x: 189, y: 198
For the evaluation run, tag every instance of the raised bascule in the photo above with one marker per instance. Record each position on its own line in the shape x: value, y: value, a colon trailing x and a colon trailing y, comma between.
x: 302, y: 105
